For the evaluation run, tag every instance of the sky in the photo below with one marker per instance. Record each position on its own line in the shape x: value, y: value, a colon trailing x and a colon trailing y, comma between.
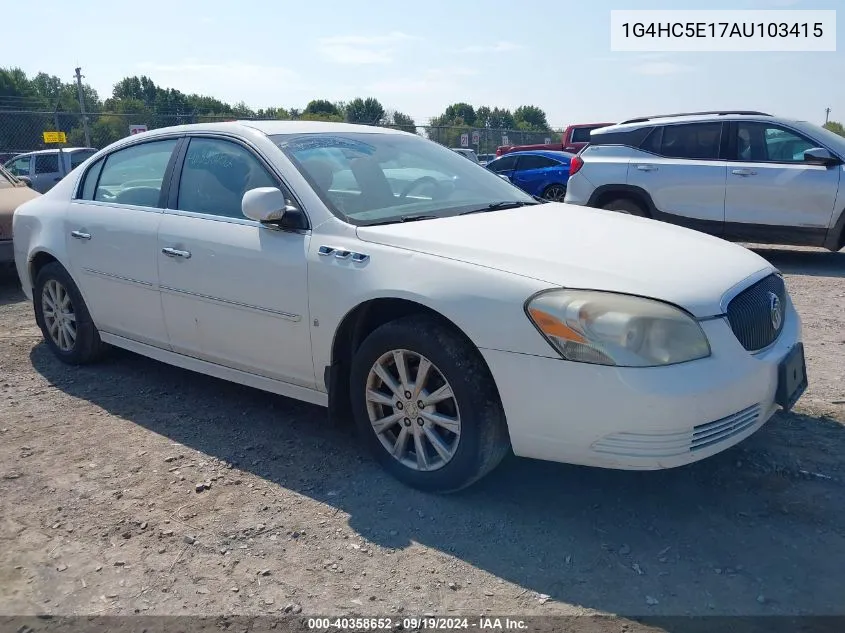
x: 420, y: 57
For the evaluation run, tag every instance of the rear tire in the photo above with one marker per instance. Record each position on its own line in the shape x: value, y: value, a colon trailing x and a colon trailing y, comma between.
x: 554, y: 193
x: 458, y: 435
x: 63, y: 317
x: 625, y: 205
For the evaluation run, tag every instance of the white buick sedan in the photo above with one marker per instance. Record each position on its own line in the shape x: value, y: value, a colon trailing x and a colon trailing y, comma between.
x: 384, y: 276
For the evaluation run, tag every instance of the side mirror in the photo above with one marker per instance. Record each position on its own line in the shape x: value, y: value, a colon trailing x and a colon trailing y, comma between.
x: 26, y: 180
x: 820, y: 156
x: 265, y: 204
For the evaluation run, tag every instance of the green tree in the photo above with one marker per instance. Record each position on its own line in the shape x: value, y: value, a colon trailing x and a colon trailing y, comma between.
x: 400, y: 121
x: 367, y: 111
x: 836, y: 127
x: 530, y: 118
x: 321, y: 107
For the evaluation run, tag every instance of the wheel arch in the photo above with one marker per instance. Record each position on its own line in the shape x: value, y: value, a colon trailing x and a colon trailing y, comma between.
x: 608, y: 193
x: 37, y: 260
x: 835, y: 239
x: 356, y: 325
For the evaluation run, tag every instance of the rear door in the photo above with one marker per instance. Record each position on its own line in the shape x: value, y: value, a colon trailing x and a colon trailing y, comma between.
x: 681, y: 167
x: 533, y: 174
x: 111, y: 233
x: 773, y: 194
x: 46, y: 171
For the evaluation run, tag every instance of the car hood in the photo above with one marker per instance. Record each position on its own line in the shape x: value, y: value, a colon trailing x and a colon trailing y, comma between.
x: 579, y: 247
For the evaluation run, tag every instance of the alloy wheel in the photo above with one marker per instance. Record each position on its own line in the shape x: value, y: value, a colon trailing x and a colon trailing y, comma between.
x: 59, y: 316
x: 555, y: 193
x: 413, y: 410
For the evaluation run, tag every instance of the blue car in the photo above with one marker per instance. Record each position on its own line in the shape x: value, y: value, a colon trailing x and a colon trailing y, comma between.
x: 542, y: 173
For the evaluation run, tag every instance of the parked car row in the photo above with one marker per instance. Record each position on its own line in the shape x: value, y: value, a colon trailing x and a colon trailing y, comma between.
x: 44, y: 168
x: 452, y: 315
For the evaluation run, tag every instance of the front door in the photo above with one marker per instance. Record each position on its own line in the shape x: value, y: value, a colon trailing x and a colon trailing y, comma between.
x: 234, y: 291
x: 111, y: 231
x: 772, y: 193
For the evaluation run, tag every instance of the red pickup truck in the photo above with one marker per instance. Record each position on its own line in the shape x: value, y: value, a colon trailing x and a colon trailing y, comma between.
x: 573, y: 140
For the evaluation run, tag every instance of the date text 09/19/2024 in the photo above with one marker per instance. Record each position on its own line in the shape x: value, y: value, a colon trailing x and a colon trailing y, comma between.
x: 417, y: 623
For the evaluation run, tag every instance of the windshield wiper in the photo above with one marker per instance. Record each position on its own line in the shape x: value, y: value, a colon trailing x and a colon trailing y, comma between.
x: 404, y: 218
x: 497, y: 206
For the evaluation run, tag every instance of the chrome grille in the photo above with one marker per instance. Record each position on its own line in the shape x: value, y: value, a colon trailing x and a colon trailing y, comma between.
x: 705, y: 435
x: 750, y: 313
x: 680, y: 441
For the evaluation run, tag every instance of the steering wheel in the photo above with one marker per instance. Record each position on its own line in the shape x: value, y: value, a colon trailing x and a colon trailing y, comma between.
x: 417, y: 183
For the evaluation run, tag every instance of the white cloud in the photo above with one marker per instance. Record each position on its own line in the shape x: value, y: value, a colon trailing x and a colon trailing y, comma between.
x: 661, y: 68
x: 433, y: 80
x: 232, y: 81
x: 360, y: 49
x: 501, y: 47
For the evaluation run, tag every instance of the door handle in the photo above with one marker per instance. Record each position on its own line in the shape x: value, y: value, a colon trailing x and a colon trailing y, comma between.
x: 743, y: 172
x: 173, y: 252
x: 646, y: 167
x: 80, y: 235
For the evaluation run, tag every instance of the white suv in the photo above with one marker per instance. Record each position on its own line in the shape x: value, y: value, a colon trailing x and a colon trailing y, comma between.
x: 745, y: 176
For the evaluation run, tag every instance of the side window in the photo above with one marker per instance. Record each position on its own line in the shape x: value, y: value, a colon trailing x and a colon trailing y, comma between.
x: 19, y: 166
x: 697, y: 141
x: 758, y: 142
x: 652, y: 142
x: 46, y: 164
x: 77, y: 158
x: 134, y: 175
x: 216, y: 175
x: 535, y: 162
x: 503, y: 164
x: 89, y: 185
x: 581, y: 134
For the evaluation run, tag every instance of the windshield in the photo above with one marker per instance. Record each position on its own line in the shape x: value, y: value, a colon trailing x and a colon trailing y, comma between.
x: 831, y: 139
x: 367, y: 178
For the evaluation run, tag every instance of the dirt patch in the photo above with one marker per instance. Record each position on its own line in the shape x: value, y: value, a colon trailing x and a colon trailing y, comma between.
x: 134, y: 487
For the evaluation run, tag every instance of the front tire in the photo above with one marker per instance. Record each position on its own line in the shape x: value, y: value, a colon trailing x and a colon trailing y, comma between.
x: 426, y: 405
x: 63, y: 317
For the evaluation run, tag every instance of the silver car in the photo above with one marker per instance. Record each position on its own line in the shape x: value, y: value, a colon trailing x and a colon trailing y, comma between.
x: 739, y: 175
x: 44, y: 168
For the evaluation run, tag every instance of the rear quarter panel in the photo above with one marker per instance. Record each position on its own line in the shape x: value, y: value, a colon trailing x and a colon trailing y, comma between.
x: 606, y: 164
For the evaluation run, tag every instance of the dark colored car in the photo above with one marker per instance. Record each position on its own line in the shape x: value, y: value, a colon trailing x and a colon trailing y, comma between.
x: 541, y: 173
x: 574, y: 139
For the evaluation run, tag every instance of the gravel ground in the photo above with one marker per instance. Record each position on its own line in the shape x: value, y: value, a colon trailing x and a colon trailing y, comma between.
x: 134, y: 487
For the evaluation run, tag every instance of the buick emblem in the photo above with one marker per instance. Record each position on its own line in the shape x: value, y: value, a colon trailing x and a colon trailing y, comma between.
x: 775, y: 311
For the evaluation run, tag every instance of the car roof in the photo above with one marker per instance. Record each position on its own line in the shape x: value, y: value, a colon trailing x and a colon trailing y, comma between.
x: 692, y: 118
x: 549, y: 153
x: 271, y: 128
x: 53, y: 151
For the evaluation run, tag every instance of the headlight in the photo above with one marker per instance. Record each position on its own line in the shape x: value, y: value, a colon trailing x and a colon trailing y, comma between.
x: 614, y: 329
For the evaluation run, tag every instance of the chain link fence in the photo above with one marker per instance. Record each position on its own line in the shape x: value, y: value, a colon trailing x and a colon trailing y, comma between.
x: 23, y: 131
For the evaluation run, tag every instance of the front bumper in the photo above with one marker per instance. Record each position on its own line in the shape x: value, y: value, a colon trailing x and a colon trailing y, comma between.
x: 641, y: 418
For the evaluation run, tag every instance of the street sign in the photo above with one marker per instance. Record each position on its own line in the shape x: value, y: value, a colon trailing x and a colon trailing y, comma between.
x: 475, y: 137
x: 548, y: 141
x: 504, y: 139
x: 137, y: 129
x: 464, y: 140
x: 55, y: 137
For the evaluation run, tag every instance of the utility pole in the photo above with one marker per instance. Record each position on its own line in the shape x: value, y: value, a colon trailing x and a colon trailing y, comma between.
x: 82, y: 107
x: 826, y: 115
